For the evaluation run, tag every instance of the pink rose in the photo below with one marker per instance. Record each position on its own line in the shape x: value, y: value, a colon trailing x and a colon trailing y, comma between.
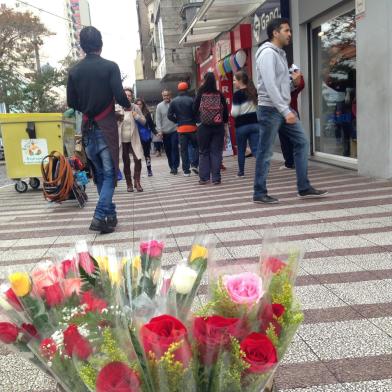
x: 44, y: 275
x: 245, y: 288
x: 72, y: 285
x: 66, y: 266
x: 152, y: 248
x: 86, y: 263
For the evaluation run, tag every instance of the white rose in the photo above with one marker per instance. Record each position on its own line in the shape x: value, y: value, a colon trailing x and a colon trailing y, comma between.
x: 183, y: 279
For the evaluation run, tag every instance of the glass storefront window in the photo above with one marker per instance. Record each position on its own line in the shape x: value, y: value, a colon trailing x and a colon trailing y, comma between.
x: 334, y: 81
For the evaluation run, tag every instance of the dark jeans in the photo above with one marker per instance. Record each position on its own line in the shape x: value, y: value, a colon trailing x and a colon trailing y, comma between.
x: 287, y: 149
x: 158, y: 146
x: 105, y: 176
x: 245, y: 133
x: 189, y: 139
x: 211, y: 139
x: 147, y: 153
x: 271, y: 121
x: 170, y: 141
x: 126, y: 151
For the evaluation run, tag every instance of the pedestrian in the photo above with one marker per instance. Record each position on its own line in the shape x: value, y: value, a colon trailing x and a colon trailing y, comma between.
x: 210, y: 108
x: 244, y: 111
x: 92, y: 88
x: 274, y: 113
x: 151, y: 126
x: 131, y: 143
x: 167, y: 130
x: 181, y: 113
x: 285, y: 144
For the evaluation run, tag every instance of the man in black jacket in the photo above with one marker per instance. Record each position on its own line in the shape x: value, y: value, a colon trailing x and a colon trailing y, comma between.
x: 181, y: 113
x: 93, y: 86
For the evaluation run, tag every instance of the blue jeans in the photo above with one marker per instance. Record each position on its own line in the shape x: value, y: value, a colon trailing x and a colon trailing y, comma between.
x: 98, y: 153
x: 189, y: 151
x: 170, y: 141
x: 271, y: 121
x: 245, y: 133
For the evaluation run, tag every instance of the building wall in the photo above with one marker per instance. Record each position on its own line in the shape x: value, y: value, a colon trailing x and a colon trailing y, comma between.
x: 139, y: 74
x: 374, y: 99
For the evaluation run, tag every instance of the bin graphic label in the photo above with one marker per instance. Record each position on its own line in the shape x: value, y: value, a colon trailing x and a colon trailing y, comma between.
x: 34, y: 150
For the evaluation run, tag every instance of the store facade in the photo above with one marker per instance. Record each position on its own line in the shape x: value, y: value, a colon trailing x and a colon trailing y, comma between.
x: 342, y: 49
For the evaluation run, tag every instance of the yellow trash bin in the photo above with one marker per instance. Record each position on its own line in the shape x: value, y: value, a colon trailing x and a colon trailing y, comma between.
x: 28, y: 138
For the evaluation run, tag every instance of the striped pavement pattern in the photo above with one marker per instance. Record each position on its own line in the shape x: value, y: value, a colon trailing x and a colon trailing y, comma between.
x: 344, y: 283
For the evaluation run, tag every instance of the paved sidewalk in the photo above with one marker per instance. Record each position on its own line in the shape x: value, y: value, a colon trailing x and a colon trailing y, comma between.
x: 345, y: 281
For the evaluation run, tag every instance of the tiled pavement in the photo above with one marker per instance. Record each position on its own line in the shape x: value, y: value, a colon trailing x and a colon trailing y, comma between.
x: 345, y: 281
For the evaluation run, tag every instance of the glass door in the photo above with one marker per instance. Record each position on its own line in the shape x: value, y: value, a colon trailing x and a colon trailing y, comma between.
x: 333, y: 46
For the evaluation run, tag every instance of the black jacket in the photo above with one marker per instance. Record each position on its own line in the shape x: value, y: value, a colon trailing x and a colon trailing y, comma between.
x: 150, y: 123
x: 92, y: 85
x: 181, y: 110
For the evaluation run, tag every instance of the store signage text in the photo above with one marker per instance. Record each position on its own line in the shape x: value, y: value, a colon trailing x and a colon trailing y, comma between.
x: 262, y: 17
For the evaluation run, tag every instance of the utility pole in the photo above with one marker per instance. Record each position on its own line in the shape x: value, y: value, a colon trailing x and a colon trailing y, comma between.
x: 37, y: 59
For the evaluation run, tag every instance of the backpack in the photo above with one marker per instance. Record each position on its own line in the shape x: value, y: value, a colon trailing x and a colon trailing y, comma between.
x: 211, y: 109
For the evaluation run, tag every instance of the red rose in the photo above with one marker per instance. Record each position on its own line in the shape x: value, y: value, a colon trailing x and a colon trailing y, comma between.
x: 66, y: 266
x: 117, y: 377
x: 8, y: 332
x: 93, y: 303
x: 30, y: 330
x: 269, y: 315
x: 272, y: 265
x: 213, y: 333
x: 151, y: 248
x: 48, y: 348
x: 54, y: 294
x: 161, y: 332
x: 260, y: 353
x: 13, y: 300
x: 75, y: 343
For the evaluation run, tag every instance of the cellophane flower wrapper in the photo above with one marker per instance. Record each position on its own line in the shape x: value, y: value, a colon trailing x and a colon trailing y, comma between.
x: 188, y: 276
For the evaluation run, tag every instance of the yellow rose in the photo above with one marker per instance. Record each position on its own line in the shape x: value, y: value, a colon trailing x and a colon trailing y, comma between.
x: 20, y: 283
x: 114, y: 271
x: 137, y: 263
x: 102, y: 262
x: 197, y: 252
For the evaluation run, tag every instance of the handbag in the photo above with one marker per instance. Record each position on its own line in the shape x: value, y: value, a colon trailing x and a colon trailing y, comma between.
x: 144, y: 132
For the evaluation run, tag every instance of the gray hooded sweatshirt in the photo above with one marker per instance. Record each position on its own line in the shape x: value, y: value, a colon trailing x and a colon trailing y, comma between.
x: 273, y: 78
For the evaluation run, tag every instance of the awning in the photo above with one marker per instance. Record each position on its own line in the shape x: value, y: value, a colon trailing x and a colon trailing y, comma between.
x: 215, y: 17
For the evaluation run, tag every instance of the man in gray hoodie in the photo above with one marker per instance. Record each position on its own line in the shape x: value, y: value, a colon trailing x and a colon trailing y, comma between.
x: 274, y: 113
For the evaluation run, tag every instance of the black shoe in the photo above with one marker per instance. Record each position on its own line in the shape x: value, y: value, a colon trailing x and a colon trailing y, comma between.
x: 101, y: 226
x: 174, y: 171
x: 312, y: 193
x: 265, y: 200
x: 149, y: 171
x: 112, y: 221
x: 195, y: 169
x: 240, y: 174
x: 216, y: 182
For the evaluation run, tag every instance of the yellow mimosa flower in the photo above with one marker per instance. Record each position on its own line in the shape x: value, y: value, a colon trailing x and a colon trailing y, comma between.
x: 20, y: 283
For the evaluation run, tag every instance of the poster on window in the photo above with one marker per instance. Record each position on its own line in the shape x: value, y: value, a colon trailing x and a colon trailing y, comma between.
x: 34, y: 150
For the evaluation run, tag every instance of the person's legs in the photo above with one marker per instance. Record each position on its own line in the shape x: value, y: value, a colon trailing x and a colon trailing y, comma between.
x: 300, y: 144
x: 126, y: 150
x: 270, y: 121
x: 184, y: 143
x: 204, y: 139
x: 137, y: 170
x: 147, y: 155
x: 168, y: 148
x: 240, y: 134
x: 287, y: 149
x: 253, y: 138
x: 175, y: 151
x: 216, y: 153
x: 195, y: 151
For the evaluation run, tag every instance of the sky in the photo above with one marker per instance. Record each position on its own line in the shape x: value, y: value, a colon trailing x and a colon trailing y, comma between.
x: 117, y: 21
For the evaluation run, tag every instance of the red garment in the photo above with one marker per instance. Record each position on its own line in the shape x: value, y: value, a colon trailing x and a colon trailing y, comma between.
x: 295, y: 93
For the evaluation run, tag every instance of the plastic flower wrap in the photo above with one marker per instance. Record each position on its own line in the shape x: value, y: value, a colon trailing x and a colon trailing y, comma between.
x: 188, y: 276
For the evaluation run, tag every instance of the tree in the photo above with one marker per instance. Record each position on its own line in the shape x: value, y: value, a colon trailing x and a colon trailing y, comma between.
x: 21, y: 35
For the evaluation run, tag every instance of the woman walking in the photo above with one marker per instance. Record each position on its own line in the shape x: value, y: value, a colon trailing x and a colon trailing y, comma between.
x: 244, y: 111
x: 131, y: 143
x: 211, y: 109
x: 151, y: 126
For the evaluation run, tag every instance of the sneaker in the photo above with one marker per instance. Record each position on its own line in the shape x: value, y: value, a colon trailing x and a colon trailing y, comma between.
x: 216, y: 182
x: 101, y: 226
x: 174, y: 171
x: 284, y: 167
x: 240, y: 174
x: 195, y: 169
x: 202, y: 182
x: 112, y: 221
x: 312, y: 193
x: 186, y: 174
x: 149, y: 171
x: 265, y: 200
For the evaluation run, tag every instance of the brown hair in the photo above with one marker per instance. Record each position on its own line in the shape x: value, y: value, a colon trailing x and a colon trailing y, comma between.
x: 250, y: 89
x: 145, y: 110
